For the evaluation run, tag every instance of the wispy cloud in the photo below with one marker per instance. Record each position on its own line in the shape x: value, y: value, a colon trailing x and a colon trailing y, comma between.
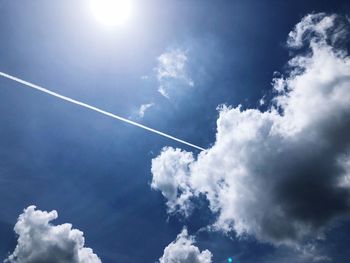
x: 172, y: 66
x: 143, y: 108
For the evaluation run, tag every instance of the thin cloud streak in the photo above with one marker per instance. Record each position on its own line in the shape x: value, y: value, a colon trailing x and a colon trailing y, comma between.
x: 82, y: 104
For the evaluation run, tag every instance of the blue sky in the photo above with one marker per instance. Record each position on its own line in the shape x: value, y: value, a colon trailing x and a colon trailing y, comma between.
x: 96, y: 172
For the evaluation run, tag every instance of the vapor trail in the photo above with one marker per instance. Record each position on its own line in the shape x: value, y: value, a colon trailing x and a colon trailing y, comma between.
x: 82, y: 104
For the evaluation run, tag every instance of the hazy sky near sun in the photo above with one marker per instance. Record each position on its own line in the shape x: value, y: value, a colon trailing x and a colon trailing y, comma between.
x: 172, y: 65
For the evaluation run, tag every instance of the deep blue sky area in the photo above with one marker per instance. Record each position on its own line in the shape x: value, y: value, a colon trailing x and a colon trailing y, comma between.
x: 96, y: 171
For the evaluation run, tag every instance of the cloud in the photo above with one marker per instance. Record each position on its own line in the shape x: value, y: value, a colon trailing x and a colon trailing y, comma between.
x: 313, y: 26
x: 182, y: 250
x: 306, y: 254
x: 172, y: 69
x: 170, y: 173
x: 41, y: 242
x: 143, y: 108
x: 281, y: 175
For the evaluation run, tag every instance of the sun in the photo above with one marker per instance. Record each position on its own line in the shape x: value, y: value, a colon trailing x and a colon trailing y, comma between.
x: 111, y: 12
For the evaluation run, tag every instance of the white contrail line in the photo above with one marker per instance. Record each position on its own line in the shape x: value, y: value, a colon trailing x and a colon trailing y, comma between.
x: 82, y: 104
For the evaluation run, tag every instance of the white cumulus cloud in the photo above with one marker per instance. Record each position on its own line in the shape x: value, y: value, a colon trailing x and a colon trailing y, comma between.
x: 278, y: 175
x: 183, y: 250
x: 41, y: 242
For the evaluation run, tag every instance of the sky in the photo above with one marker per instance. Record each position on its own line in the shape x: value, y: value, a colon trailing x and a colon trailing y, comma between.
x: 262, y: 86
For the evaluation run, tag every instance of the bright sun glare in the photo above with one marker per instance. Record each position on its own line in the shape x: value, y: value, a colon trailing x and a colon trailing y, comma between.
x: 111, y: 12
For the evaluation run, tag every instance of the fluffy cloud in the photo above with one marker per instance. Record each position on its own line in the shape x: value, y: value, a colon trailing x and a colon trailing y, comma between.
x: 281, y: 175
x: 40, y: 242
x: 172, y: 66
x: 182, y: 250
